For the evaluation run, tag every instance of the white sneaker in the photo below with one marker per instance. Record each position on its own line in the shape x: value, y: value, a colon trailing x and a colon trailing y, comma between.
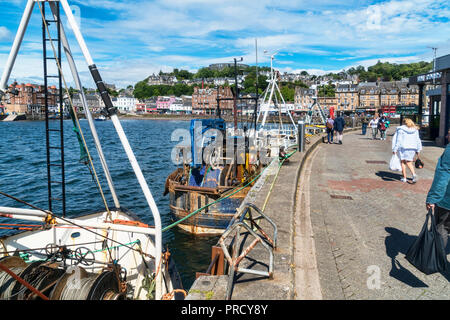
x: 403, y: 180
x: 415, y: 178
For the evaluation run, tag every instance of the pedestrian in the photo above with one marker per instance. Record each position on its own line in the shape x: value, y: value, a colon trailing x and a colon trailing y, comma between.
x: 438, y: 197
x: 339, y: 124
x: 406, y: 142
x: 330, y: 126
x: 373, y: 124
x: 382, y: 127
x: 364, y: 123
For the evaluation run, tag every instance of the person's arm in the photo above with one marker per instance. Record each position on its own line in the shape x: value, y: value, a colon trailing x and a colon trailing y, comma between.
x: 394, y: 142
x: 419, y: 142
x: 441, y: 179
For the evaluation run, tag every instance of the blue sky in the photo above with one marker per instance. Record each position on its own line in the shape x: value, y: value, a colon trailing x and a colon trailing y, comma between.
x: 130, y: 40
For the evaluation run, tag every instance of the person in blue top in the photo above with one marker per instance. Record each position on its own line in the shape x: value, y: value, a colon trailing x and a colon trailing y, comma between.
x: 339, y: 124
x: 438, y: 197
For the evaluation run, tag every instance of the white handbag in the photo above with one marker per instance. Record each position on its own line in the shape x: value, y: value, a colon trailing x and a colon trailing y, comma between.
x: 394, y: 164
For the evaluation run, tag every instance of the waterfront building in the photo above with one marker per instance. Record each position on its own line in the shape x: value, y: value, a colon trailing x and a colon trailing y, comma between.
x: 347, y: 97
x: 125, y: 103
x: 92, y: 99
x: 163, y: 103
x: 303, y: 97
x: 369, y: 95
x: 178, y: 107
x: 204, y: 101
x: 327, y: 102
x: 30, y: 98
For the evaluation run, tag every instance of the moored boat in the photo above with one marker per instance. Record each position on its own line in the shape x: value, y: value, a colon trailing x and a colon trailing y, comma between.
x: 106, y: 255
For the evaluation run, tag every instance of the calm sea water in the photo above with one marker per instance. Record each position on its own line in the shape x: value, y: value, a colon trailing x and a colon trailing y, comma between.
x: 23, y: 174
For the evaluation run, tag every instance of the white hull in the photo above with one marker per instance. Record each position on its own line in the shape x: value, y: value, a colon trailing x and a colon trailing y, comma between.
x: 120, y: 244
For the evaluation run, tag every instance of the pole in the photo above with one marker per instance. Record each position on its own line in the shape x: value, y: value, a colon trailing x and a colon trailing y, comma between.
x: 109, y: 109
x: 16, y: 45
x: 301, y: 136
x: 235, y: 96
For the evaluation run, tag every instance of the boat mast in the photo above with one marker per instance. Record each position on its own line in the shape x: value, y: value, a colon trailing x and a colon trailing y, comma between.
x: 235, y: 93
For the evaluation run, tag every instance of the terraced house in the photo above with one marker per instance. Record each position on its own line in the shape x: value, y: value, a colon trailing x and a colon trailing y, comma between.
x: 368, y: 95
x: 347, y: 97
x: 204, y: 101
x: 29, y: 98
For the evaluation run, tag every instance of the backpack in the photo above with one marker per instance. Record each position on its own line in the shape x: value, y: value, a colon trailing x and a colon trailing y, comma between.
x: 382, y: 125
x: 329, y: 125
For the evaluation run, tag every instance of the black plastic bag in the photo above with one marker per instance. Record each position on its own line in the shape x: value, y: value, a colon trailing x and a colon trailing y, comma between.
x: 428, y: 253
x: 419, y: 164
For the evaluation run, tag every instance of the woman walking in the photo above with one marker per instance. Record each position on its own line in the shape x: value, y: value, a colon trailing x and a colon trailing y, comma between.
x: 330, y: 126
x: 406, y: 142
x: 382, y: 127
x: 373, y: 124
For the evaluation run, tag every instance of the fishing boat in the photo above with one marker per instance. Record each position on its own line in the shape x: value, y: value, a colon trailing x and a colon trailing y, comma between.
x: 206, y: 191
x: 108, y: 254
x: 277, y: 134
x: 206, y: 194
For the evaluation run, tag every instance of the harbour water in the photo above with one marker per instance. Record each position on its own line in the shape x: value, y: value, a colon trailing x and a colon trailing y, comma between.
x: 23, y: 174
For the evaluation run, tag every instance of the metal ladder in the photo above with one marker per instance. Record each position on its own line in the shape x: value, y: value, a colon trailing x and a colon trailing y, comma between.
x: 249, y: 223
x: 54, y: 133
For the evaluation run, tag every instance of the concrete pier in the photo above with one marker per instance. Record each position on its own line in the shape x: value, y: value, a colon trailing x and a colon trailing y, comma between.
x: 344, y: 223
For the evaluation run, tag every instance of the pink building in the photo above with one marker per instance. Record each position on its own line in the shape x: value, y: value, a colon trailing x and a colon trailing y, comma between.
x: 163, y: 103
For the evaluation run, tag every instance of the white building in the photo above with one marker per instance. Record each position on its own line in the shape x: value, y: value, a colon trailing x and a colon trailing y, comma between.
x: 178, y: 106
x: 125, y: 104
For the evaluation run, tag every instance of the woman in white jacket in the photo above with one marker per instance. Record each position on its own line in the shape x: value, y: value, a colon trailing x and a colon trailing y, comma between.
x: 406, y: 142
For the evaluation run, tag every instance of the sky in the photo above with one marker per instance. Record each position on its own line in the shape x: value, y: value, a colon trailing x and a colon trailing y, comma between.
x: 130, y: 40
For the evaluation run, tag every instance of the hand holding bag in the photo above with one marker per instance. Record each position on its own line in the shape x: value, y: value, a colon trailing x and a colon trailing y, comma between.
x: 394, y: 164
x: 419, y: 163
x: 427, y: 253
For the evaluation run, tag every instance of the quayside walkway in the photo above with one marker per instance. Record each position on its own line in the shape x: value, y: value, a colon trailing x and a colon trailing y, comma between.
x: 364, y: 219
x: 345, y: 222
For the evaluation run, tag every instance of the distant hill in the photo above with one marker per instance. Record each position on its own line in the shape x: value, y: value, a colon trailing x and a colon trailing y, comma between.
x: 386, y: 71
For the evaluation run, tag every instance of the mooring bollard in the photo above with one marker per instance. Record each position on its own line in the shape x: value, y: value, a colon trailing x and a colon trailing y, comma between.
x: 301, y: 136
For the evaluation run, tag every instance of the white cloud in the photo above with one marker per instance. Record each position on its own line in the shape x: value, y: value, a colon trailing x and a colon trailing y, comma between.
x: 148, y: 36
x: 4, y: 34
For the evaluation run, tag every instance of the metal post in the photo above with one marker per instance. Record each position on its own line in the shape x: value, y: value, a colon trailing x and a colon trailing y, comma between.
x: 301, y: 136
x: 16, y: 45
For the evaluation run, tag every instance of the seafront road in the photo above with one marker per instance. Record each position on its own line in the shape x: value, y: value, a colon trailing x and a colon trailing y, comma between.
x: 362, y: 221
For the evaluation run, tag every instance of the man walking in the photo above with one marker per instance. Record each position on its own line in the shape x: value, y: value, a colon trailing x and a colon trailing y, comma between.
x: 339, y: 124
x: 439, y: 195
x: 364, y: 123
